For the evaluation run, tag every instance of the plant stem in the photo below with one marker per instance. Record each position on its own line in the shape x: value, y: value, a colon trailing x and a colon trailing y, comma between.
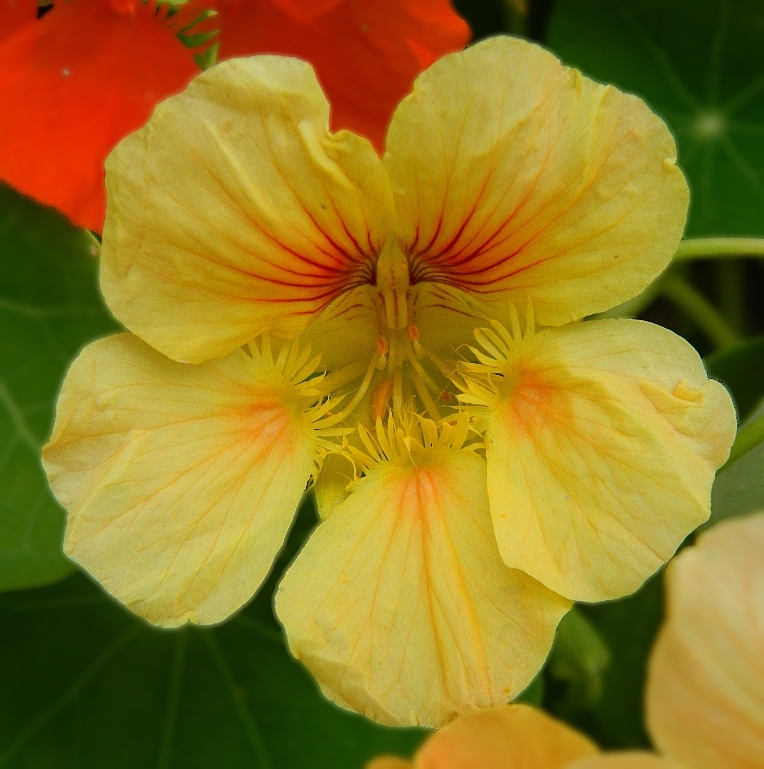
x: 712, y: 248
x: 699, y: 310
x: 730, y: 276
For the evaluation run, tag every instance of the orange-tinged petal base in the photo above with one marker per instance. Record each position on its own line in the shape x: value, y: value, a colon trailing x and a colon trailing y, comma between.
x: 180, y: 481
x: 602, y: 442
x: 399, y: 603
x: 80, y: 79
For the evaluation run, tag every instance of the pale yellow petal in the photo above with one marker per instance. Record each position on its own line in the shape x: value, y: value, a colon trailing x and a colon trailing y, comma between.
x: 515, y: 177
x: 633, y: 759
x: 705, y: 693
x: 234, y: 211
x: 603, y: 438
x: 399, y: 603
x: 511, y: 737
x: 180, y: 481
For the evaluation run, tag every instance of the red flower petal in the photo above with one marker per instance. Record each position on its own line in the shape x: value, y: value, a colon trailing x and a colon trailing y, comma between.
x: 80, y: 79
x: 14, y: 14
x: 366, y: 52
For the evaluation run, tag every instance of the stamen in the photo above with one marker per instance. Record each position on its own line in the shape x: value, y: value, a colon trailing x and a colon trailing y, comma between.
x: 429, y: 403
x: 440, y: 364
x: 342, y: 376
x: 398, y: 390
x: 382, y: 346
x: 413, y: 333
x: 380, y: 399
x: 330, y: 421
x: 417, y: 366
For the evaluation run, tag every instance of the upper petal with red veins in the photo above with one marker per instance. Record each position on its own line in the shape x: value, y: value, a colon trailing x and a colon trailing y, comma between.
x: 79, y: 81
x: 705, y: 691
x: 180, y: 481
x: 517, y: 178
x: 234, y: 211
x: 366, y: 52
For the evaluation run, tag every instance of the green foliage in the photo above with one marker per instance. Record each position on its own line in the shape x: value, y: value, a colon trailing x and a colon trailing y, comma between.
x: 739, y: 485
x: 699, y: 64
x: 578, y: 661
x: 49, y: 308
x: 741, y: 369
x: 612, y: 712
x: 86, y: 684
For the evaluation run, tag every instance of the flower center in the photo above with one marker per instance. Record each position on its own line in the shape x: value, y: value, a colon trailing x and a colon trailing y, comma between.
x: 401, y: 374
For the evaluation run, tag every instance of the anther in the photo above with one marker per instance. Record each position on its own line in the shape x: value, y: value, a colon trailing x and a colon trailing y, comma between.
x: 414, y: 333
x: 382, y: 346
x: 446, y: 396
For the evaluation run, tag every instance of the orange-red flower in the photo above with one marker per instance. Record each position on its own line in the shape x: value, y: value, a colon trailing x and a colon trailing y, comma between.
x: 89, y: 72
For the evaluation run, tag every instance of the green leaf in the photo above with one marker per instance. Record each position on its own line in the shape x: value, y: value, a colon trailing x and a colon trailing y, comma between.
x: 86, y: 684
x: 533, y: 694
x: 699, y: 64
x: 627, y: 630
x: 579, y: 658
x: 741, y: 370
x: 739, y: 485
x: 49, y: 307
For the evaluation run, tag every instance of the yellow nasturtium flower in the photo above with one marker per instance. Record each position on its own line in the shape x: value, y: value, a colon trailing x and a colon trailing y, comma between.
x: 705, y: 693
x: 409, y: 327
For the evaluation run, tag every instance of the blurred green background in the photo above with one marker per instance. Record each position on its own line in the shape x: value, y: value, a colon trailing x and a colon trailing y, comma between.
x: 85, y: 684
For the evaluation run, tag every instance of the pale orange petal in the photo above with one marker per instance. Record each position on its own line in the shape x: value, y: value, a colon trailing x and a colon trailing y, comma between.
x: 635, y: 759
x: 389, y: 762
x: 511, y: 737
x: 705, y: 691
